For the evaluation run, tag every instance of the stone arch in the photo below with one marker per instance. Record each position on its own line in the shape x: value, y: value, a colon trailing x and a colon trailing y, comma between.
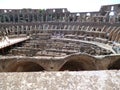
x: 88, y: 14
x: 25, y: 66
x: 114, y: 65
x: 79, y: 63
x: 72, y: 66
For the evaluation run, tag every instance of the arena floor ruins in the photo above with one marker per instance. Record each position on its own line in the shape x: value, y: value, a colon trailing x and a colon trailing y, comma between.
x: 55, y: 49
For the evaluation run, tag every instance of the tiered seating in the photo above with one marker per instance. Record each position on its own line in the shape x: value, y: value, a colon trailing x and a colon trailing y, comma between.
x: 42, y: 44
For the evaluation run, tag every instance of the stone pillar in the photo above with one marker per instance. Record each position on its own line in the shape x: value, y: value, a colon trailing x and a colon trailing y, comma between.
x: 26, y: 30
x: 18, y: 30
x: 6, y: 30
x: 22, y: 29
x: 13, y: 30
x: 35, y: 29
x: 39, y: 28
x: 30, y: 29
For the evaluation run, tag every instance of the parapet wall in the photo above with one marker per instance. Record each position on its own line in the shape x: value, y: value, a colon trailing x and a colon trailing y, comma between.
x: 75, y: 62
x: 83, y: 80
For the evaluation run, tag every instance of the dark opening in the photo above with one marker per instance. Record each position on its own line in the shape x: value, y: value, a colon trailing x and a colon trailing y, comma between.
x: 115, y: 65
x: 72, y: 66
x: 27, y: 67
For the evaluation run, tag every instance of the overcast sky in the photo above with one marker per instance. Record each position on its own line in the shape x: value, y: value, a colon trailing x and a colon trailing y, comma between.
x: 72, y: 5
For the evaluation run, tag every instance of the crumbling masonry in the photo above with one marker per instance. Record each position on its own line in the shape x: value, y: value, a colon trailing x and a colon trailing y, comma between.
x: 59, y: 40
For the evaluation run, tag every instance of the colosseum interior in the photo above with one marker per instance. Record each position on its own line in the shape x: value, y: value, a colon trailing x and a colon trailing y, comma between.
x: 39, y: 40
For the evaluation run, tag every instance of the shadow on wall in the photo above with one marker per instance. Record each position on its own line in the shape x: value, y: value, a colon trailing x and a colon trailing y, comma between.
x: 79, y: 63
x: 72, y: 66
x: 26, y: 67
x: 115, y: 65
x: 71, y: 63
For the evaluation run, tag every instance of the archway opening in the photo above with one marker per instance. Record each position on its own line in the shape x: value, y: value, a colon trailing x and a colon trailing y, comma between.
x: 26, y: 67
x: 72, y: 66
x: 115, y: 65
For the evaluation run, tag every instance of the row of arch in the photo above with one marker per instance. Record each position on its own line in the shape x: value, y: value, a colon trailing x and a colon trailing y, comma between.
x: 68, y: 66
x: 29, y: 29
x: 73, y: 64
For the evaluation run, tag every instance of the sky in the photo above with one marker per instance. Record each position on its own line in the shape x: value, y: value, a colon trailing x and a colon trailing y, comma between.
x: 71, y: 5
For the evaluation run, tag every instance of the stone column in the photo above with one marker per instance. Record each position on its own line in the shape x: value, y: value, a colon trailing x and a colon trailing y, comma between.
x: 18, y: 30
x: 13, y: 29
x: 22, y: 29
x: 39, y: 28
x: 30, y: 29
x: 35, y: 29
x: 26, y: 30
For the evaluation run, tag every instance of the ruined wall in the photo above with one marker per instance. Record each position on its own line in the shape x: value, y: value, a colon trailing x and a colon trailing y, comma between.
x: 75, y: 62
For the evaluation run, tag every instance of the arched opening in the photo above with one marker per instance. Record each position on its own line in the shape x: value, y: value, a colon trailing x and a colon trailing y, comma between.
x: 54, y: 10
x: 5, y: 11
x: 88, y: 14
x: 115, y: 65
x: 63, y: 10
x: 26, y: 67
x: 111, y: 13
x: 79, y: 63
x: 112, y: 8
x: 72, y: 66
x: 78, y: 14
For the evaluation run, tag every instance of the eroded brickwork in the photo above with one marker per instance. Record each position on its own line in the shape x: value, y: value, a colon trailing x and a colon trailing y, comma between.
x: 59, y: 40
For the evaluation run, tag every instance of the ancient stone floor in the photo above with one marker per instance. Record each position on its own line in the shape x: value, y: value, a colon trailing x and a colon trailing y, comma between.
x: 82, y: 80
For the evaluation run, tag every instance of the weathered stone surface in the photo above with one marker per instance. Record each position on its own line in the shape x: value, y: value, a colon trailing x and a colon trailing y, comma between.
x: 83, y: 80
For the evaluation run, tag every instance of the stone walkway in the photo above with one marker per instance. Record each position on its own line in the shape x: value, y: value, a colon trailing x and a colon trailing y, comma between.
x: 10, y: 41
x: 82, y: 80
